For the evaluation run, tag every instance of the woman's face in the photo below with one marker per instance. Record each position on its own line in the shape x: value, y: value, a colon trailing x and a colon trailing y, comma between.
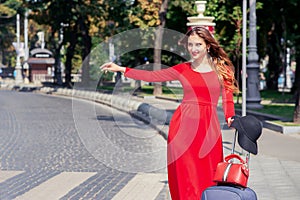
x: 196, y: 47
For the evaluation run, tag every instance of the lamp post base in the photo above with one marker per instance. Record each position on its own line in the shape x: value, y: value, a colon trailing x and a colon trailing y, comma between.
x: 254, y: 104
x: 19, y: 77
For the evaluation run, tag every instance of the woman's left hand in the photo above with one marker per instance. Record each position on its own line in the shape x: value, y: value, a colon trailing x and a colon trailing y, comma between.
x: 112, y: 67
x: 229, y: 121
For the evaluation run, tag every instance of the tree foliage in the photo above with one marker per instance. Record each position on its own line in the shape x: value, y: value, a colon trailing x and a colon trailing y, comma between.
x: 86, y: 23
x: 8, y: 11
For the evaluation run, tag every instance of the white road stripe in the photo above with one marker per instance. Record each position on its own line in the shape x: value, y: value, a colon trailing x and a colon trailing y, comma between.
x: 4, y: 175
x: 57, y: 186
x: 143, y: 186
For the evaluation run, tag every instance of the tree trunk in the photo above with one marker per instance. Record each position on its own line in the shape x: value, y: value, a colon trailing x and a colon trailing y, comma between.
x: 297, y: 108
x: 57, y: 69
x: 87, y: 45
x: 69, y: 57
x: 297, y: 91
x: 157, y: 59
x: 158, y: 43
x: 57, y: 50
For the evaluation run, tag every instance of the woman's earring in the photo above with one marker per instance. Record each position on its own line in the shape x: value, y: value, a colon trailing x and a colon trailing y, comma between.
x: 208, y: 50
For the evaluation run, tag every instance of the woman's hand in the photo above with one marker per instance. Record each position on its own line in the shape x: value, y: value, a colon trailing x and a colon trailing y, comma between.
x: 112, y: 67
x: 229, y: 121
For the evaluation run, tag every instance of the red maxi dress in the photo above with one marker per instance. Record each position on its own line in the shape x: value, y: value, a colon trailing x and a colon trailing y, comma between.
x: 194, y: 139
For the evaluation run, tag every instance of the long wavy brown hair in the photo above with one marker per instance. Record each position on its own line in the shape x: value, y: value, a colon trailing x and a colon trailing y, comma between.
x: 220, y: 60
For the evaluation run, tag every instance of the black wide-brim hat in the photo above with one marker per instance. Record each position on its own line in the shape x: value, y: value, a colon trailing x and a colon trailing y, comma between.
x: 249, y: 130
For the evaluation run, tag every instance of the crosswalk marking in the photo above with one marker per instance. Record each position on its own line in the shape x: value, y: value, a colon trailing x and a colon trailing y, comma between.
x: 4, y: 175
x: 142, y: 186
x: 56, y: 187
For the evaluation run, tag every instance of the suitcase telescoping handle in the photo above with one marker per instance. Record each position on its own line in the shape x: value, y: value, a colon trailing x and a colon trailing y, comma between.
x: 233, y: 147
x: 234, y: 140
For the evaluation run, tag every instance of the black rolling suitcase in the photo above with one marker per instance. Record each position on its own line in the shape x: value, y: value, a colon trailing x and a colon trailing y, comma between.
x: 229, y: 191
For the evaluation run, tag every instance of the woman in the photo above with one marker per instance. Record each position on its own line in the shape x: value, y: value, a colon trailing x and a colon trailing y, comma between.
x: 194, y: 138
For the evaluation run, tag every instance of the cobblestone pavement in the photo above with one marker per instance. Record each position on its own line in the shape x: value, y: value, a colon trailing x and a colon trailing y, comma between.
x: 45, y: 154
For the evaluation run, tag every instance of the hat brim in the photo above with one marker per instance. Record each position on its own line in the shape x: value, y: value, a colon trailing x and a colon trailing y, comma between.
x: 246, y: 143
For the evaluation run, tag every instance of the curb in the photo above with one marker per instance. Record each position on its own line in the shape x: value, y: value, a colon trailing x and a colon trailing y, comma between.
x: 282, y: 129
x: 145, y: 112
x: 152, y: 115
x: 268, y: 124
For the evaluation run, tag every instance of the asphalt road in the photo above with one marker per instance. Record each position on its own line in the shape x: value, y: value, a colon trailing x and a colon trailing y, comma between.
x: 63, y: 148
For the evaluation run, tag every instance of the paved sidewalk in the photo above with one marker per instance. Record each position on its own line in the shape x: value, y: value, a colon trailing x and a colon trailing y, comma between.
x: 275, y: 171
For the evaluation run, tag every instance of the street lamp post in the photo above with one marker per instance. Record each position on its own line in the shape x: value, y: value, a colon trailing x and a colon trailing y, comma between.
x: 26, y: 56
x: 201, y: 20
x: 244, y: 58
x: 253, y: 95
x: 18, y: 78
